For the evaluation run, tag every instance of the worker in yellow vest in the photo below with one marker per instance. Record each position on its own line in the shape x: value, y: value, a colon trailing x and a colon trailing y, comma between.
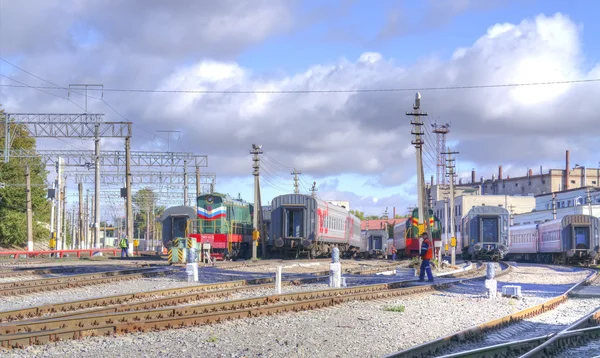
x: 52, y: 244
x: 124, y: 244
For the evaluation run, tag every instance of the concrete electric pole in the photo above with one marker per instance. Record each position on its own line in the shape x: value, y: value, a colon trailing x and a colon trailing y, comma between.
x: 256, y: 151
x: 450, y: 166
x: 29, y: 210
x: 418, y: 143
x: 296, y: 185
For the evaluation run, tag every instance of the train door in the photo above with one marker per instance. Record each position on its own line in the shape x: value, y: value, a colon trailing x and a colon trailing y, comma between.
x: 294, y: 219
x: 581, y: 238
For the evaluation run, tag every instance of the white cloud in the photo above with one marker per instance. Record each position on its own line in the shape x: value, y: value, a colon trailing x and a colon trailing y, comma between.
x: 332, y: 134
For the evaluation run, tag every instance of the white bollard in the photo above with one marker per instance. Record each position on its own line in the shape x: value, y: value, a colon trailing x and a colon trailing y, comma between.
x: 278, y: 281
x: 344, y: 282
x: 335, y: 275
x: 492, y: 287
x: 192, y: 272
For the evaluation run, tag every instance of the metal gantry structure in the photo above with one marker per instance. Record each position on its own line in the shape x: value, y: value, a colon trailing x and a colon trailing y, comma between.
x: 440, y: 131
x: 69, y: 125
x: 89, y: 125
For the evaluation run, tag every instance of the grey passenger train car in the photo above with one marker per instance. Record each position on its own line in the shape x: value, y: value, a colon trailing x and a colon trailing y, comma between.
x: 307, y: 225
x: 175, y: 223
x: 572, y: 239
x: 485, y: 232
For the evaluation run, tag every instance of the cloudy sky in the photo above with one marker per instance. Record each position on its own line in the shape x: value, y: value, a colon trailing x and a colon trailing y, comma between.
x: 354, y: 145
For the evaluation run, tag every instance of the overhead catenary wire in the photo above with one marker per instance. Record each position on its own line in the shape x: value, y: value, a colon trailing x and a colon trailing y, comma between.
x: 355, y: 90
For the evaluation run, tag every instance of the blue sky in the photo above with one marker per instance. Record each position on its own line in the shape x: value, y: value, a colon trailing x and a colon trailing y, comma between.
x: 355, y: 146
x: 355, y: 31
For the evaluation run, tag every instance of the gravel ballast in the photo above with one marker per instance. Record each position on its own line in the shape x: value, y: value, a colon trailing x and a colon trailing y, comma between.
x: 354, y: 329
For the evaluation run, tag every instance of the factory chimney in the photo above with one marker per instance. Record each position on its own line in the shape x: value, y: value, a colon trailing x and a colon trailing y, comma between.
x: 394, y: 212
x: 530, y: 173
x: 473, y: 176
x: 499, y: 172
x: 567, y: 166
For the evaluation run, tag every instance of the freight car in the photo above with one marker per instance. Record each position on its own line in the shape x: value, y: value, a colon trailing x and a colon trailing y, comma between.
x: 571, y: 240
x: 303, y: 225
x: 485, y: 233
x: 406, y: 235
x: 219, y: 220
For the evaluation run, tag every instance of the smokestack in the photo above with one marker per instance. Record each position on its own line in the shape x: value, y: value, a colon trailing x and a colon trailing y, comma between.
x: 394, y: 212
x: 473, y: 176
x: 432, y: 181
x: 460, y: 181
x: 481, y: 180
x: 541, y: 171
x: 530, y: 173
x: 567, y: 166
x: 499, y: 172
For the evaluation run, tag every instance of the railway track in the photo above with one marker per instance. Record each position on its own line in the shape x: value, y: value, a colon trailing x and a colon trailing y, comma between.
x: 56, y: 283
x: 16, y: 334
x: 511, y: 335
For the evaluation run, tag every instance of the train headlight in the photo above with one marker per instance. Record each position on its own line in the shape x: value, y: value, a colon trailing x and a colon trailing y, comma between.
x: 306, y: 243
x: 478, y: 246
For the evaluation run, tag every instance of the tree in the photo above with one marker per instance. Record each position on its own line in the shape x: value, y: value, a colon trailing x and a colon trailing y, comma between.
x: 13, y: 204
x: 358, y: 214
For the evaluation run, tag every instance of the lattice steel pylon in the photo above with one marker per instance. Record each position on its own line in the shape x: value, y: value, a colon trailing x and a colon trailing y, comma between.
x: 440, y: 131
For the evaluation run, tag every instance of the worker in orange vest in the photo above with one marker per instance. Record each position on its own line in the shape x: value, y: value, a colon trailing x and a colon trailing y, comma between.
x: 393, y: 252
x: 426, y: 255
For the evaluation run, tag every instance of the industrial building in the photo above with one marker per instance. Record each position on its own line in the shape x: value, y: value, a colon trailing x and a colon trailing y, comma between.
x: 557, y: 205
x: 554, y: 180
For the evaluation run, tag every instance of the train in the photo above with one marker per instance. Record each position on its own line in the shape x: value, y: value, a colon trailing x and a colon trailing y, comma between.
x: 570, y: 240
x: 485, y: 233
x: 219, y: 220
x: 303, y: 225
x: 406, y: 235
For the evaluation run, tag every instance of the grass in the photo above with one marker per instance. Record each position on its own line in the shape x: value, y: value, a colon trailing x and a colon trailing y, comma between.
x: 397, y: 308
x: 212, y: 339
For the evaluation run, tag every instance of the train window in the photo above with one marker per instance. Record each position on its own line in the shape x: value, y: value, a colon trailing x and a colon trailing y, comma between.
x: 582, y: 238
x: 489, y: 229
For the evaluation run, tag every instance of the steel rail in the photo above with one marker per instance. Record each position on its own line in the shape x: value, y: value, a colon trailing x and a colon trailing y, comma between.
x: 71, y: 281
x: 18, y: 335
x: 437, y: 346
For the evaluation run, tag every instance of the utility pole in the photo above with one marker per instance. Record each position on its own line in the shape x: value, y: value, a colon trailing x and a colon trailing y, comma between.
x: 256, y: 151
x: 418, y: 143
x: 450, y: 166
x: 446, y: 223
x: 97, y: 188
x: 198, y: 187
x: 314, y: 189
x: 589, y: 200
x: 185, y: 184
x: 59, y: 185
x: 128, y: 199
x: 88, y: 239
x: 64, y: 216
x: 81, y: 232
x: 512, y: 213
x: 296, y: 185
x: 29, y: 209
x: 52, y: 211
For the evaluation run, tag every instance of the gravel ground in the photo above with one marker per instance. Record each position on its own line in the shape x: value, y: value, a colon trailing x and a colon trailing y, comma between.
x: 355, y: 329
x: 550, y: 322
x: 95, y: 291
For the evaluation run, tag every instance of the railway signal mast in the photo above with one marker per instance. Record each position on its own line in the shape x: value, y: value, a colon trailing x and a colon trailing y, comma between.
x: 256, y: 151
x: 418, y: 143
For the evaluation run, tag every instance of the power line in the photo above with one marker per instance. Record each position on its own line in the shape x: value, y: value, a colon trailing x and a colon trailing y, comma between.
x: 357, y: 90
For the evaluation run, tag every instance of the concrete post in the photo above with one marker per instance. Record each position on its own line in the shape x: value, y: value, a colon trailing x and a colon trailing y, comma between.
x: 278, y: 281
x: 335, y: 269
x: 490, y: 283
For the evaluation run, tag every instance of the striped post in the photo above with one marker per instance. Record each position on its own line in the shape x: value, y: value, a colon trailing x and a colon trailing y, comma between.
x: 170, y: 255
